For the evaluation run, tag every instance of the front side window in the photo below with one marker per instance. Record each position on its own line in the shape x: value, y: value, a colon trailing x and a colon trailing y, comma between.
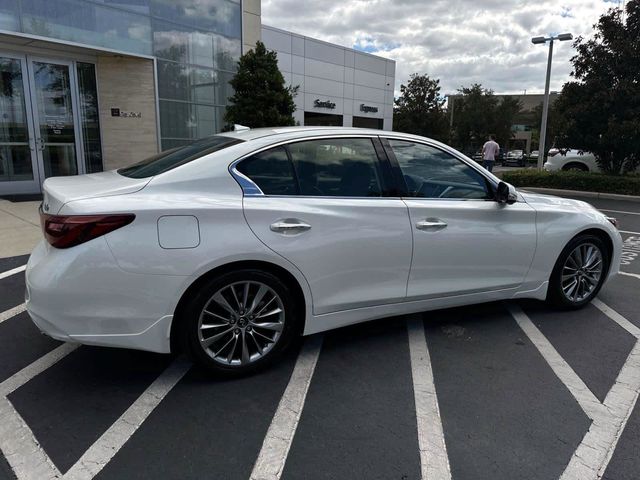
x: 271, y: 171
x: 337, y: 167
x: 432, y: 173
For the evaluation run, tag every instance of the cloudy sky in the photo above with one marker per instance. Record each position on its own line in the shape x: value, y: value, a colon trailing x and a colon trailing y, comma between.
x: 458, y: 41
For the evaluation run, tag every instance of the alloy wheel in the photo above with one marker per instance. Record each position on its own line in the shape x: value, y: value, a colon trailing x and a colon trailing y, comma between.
x: 241, y: 323
x: 581, y: 272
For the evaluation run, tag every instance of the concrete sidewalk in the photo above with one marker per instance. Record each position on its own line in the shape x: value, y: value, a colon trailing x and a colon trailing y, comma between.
x: 19, y: 227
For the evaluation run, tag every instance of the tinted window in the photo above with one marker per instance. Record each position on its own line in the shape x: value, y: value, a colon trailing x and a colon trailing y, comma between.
x: 271, y: 170
x: 433, y: 173
x: 338, y: 167
x: 178, y: 156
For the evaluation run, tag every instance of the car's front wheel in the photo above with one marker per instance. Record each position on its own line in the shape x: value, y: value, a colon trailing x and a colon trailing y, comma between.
x: 579, y: 272
x: 239, y: 322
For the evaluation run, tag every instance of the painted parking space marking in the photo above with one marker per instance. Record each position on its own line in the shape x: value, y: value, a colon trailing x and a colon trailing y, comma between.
x: 279, y: 437
x: 17, y: 442
x: 12, y: 312
x: 434, y: 460
x: 609, y: 418
x: 629, y: 232
x: 616, y: 317
x: 635, y: 275
x: 111, y: 441
x: 13, y: 271
x: 583, y: 395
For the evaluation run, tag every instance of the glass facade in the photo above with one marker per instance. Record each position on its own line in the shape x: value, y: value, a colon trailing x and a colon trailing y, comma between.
x: 196, y: 42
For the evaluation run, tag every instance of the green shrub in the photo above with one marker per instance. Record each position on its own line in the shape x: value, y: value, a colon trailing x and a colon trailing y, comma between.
x: 583, y: 181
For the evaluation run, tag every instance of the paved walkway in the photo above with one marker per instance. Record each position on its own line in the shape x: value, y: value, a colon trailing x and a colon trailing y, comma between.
x: 19, y: 227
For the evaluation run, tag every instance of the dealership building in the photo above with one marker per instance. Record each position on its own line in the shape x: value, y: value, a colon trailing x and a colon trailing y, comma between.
x: 91, y: 85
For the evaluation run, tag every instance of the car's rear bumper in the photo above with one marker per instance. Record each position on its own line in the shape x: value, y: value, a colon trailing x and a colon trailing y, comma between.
x: 81, y: 295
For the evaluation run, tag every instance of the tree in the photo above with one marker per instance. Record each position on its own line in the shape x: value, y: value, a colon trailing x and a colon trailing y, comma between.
x: 478, y: 113
x: 601, y: 107
x: 261, y: 98
x: 419, y: 108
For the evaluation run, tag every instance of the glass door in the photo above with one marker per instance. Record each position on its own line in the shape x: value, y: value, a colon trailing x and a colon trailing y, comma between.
x: 18, y: 159
x: 57, y: 137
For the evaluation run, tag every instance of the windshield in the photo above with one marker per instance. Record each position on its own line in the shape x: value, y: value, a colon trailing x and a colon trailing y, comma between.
x: 169, y: 159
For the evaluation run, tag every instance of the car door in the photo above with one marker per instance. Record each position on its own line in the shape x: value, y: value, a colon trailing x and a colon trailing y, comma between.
x: 323, y: 204
x: 464, y: 241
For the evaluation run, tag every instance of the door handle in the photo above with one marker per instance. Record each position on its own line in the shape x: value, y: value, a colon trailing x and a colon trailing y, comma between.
x: 431, y: 224
x: 289, y: 226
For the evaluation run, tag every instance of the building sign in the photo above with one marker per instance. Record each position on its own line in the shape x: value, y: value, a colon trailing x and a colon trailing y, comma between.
x: 368, y: 108
x: 326, y: 104
x: 116, y: 112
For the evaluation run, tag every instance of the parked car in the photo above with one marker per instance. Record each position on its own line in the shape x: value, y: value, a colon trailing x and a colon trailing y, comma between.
x: 231, y: 247
x: 534, y: 155
x: 515, y: 158
x: 570, y: 159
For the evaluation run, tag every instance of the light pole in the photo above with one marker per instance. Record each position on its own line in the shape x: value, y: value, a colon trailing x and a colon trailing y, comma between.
x: 542, y: 151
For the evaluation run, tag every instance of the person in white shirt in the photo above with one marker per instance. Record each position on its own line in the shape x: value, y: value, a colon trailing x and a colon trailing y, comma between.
x: 490, y: 151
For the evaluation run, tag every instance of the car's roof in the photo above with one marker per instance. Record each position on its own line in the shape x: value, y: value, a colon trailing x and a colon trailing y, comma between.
x: 254, y: 133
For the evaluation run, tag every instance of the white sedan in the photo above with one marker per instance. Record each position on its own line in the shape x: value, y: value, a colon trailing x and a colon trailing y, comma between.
x: 234, y: 245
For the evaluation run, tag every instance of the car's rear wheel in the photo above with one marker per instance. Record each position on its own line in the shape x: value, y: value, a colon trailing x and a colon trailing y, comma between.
x: 239, y: 322
x: 579, y: 272
x: 575, y: 167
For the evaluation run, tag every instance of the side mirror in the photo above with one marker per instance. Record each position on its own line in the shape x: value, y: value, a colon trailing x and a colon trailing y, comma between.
x: 506, y: 193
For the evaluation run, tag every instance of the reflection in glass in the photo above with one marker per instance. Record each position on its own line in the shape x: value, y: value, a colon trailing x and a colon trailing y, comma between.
x: 59, y: 160
x: 180, y: 120
x: 15, y: 163
x: 9, y: 15
x: 184, y: 45
x: 190, y: 84
x: 87, y: 23
x: 220, y: 16
x: 15, y: 155
x: 55, y: 118
x: 89, y: 117
x: 138, y: 6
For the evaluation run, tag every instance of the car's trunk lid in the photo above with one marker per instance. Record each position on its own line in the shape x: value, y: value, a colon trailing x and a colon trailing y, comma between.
x: 61, y: 190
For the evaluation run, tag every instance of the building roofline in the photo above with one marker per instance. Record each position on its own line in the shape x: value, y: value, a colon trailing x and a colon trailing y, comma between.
x: 288, y: 32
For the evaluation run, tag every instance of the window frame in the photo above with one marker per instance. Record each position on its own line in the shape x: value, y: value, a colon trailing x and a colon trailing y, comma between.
x: 402, y: 184
x: 388, y: 182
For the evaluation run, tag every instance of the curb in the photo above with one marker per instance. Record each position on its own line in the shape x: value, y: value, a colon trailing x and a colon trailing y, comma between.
x: 578, y: 193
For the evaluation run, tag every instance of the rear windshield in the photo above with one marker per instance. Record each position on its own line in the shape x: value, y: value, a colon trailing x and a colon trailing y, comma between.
x: 175, y: 157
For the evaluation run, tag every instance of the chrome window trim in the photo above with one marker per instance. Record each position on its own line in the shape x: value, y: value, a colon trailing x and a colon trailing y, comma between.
x: 250, y: 189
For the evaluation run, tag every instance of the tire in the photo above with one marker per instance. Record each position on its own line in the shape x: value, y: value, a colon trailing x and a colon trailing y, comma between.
x: 244, y: 348
x: 589, y: 276
x: 575, y: 167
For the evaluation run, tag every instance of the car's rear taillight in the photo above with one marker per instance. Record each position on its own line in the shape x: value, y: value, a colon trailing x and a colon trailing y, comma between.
x: 64, y: 231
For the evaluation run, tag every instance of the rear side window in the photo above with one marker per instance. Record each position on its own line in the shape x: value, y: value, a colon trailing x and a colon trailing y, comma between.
x: 271, y: 171
x: 337, y: 167
x: 175, y: 157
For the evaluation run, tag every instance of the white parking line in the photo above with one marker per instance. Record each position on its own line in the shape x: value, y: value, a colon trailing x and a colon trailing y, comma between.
x: 629, y: 232
x: 585, y: 398
x: 635, y: 275
x: 279, y: 437
x: 8, y: 273
x: 17, y: 442
x: 592, y: 456
x: 619, y: 211
x: 111, y: 441
x: 434, y: 460
x: 616, y: 317
x: 12, y: 312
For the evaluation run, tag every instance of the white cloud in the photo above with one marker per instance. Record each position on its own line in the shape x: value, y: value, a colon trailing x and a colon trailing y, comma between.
x: 459, y: 41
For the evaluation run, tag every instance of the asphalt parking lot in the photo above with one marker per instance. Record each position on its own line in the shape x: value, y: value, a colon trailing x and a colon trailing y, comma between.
x: 497, y: 391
